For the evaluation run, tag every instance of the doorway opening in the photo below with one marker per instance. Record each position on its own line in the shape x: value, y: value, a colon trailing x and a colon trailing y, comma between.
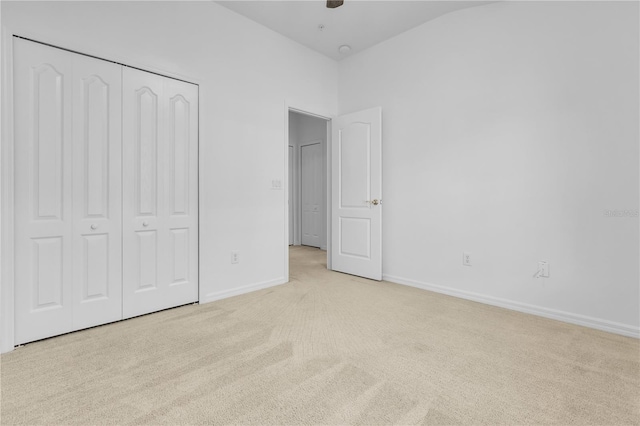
x: 307, y: 178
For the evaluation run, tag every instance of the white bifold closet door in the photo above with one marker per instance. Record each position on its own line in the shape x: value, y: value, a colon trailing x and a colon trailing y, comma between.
x: 67, y: 191
x: 106, y: 195
x: 160, y: 195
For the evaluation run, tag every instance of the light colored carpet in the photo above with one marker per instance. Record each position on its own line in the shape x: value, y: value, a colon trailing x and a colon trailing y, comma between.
x: 326, y: 348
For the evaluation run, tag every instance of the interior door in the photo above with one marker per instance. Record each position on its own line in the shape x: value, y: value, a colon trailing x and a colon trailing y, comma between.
x: 97, y: 183
x: 160, y: 210
x: 311, y: 194
x: 356, y: 191
x: 67, y: 205
x: 43, y: 191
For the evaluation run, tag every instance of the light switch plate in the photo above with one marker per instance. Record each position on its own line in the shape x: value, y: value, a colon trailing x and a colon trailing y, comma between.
x: 543, y: 269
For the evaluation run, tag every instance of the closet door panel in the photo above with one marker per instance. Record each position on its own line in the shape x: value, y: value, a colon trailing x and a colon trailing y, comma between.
x: 160, y: 202
x: 146, y: 144
x: 182, y: 184
x: 143, y: 194
x: 97, y: 192
x: 43, y: 191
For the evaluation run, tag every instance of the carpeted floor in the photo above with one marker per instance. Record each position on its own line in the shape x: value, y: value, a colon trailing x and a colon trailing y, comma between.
x: 326, y: 348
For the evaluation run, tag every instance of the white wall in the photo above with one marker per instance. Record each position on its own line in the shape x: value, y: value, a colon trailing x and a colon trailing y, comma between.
x: 508, y: 130
x: 304, y: 129
x: 246, y: 74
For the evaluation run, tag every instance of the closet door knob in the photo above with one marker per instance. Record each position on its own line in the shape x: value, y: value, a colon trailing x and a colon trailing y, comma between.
x: 94, y: 226
x: 145, y: 224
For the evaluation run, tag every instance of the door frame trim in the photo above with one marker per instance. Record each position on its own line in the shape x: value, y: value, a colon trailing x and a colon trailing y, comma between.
x: 313, y: 111
x: 292, y: 198
x: 7, y: 288
x: 7, y: 165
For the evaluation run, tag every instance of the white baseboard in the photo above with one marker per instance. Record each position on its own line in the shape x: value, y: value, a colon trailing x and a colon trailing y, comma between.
x: 586, y: 321
x: 219, y: 295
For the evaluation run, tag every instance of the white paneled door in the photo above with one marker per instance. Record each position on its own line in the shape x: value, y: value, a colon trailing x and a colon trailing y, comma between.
x: 97, y: 186
x: 160, y: 198
x: 67, y: 191
x: 106, y: 191
x: 311, y: 194
x: 356, y: 212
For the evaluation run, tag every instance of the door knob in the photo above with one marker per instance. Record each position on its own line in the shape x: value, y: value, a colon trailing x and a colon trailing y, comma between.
x: 375, y: 202
x: 145, y: 224
x: 94, y: 226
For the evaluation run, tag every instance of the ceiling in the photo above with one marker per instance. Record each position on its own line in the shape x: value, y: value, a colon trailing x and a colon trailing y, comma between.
x: 358, y: 23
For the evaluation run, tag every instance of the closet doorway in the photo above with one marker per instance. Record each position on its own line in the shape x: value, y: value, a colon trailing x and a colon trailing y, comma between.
x: 105, y: 191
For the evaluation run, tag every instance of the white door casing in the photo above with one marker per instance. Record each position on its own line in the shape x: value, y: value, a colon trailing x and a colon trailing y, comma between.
x: 160, y: 206
x: 67, y: 186
x: 290, y: 200
x: 311, y: 194
x: 356, y: 175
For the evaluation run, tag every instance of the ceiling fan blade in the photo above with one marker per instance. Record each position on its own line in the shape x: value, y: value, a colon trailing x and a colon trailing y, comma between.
x: 332, y: 4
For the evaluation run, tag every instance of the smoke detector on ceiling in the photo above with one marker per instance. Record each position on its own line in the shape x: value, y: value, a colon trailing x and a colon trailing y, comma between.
x: 344, y: 49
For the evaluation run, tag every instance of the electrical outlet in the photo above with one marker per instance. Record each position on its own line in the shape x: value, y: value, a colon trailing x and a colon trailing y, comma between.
x: 543, y: 269
x: 235, y: 256
x: 466, y: 259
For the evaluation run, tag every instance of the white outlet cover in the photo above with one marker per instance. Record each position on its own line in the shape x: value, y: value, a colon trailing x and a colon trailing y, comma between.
x: 276, y: 184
